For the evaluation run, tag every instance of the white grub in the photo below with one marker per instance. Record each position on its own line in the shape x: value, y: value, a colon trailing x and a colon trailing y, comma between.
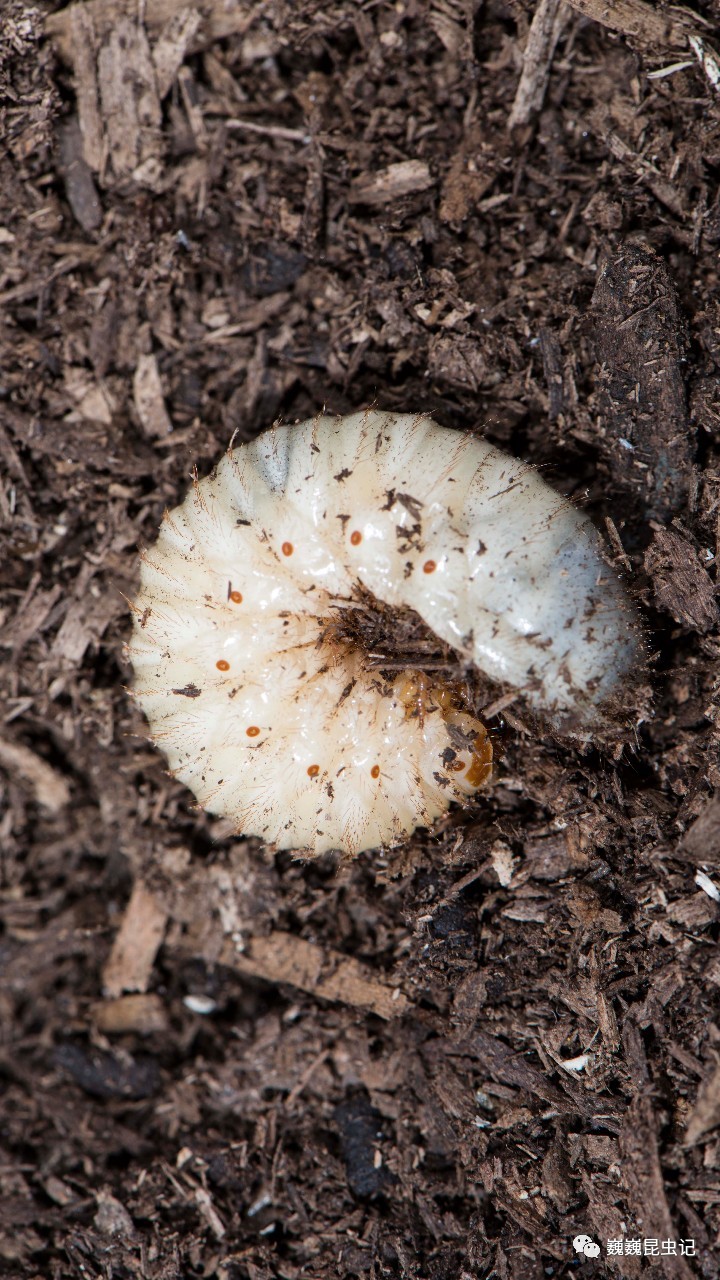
x: 273, y: 720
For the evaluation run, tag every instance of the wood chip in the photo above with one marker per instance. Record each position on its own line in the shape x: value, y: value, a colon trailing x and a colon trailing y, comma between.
x: 83, y: 625
x: 84, y: 59
x: 171, y: 47
x: 553, y: 370
x: 681, y: 583
x: 148, y: 397
x: 131, y: 120
x: 641, y: 21
x: 91, y: 399
x: 141, y: 1014
x: 33, y: 612
x: 50, y: 788
x: 643, y: 1179
x: 469, y: 176
x: 81, y: 190
x: 209, y: 1213
x: 112, y: 1219
x: 701, y: 842
x: 58, y: 1191
x: 193, y: 110
x: 454, y: 35
x: 640, y: 344
x: 282, y: 957
x: 390, y: 184
x: 131, y: 959
x: 219, y: 19
x: 695, y: 911
x: 252, y: 318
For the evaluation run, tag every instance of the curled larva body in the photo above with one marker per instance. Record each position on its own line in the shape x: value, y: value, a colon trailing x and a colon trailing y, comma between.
x: 273, y: 719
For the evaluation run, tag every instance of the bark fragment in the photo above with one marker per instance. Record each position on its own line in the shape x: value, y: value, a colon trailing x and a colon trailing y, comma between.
x: 640, y: 344
x: 681, y: 582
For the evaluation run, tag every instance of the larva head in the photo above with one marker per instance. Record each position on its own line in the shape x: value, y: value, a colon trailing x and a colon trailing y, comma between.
x: 297, y: 607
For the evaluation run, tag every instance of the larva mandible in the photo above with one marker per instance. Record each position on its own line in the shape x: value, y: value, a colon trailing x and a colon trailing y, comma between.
x: 262, y: 705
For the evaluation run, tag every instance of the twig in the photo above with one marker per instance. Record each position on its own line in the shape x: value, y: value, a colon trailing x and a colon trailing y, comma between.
x: 270, y: 130
x: 545, y: 30
x: 32, y: 288
x: 500, y: 704
x: 614, y: 537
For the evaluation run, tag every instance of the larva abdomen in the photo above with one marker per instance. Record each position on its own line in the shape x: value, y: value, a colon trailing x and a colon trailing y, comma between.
x: 264, y: 706
x: 511, y: 559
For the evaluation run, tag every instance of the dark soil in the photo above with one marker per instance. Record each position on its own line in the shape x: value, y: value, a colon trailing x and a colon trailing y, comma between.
x: 448, y: 1061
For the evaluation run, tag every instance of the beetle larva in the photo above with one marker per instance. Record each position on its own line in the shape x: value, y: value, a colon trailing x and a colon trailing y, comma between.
x: 256, y: 692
